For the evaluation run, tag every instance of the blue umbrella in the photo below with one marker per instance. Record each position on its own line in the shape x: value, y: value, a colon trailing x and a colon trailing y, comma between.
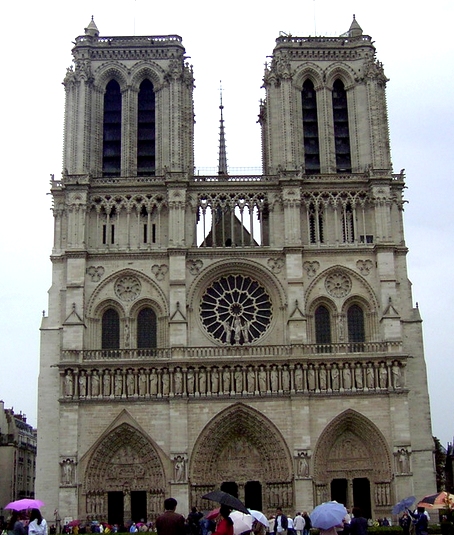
x: 403, y: 505
x: 327, y: 515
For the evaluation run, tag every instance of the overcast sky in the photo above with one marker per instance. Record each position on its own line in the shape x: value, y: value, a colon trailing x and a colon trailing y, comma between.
x: 227, y: 41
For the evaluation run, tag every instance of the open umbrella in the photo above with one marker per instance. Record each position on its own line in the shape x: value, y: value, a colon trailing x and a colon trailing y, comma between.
x: 260, y: 517
x: 440, y: 500
x: 404, y: 504
x: 224, y: 498
x: 213, y: 514
x: 327, y: 515
x: 25, y: 503
x: 241, y: 522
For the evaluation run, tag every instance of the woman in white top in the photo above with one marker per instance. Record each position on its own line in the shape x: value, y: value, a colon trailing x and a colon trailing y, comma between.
x: 37, y: 525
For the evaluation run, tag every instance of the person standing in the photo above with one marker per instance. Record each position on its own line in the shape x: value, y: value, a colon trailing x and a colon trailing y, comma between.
x: 170, y: 522
x: 298, y: 524
x: 224, y: 524
x: 308, y: 523
x: 420, y: 521
x: 17, y: 524
x: 194, y: 518
x: 404, y: 523
x: 280, y: 523
x: 37, y: 525
x: 358, y: 524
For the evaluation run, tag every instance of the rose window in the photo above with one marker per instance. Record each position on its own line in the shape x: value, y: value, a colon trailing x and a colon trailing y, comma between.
x: 338, y: 284
x: 128, y: 288
x: 236, y: 310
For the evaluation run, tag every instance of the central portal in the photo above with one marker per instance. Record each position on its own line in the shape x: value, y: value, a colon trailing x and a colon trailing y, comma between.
x: 242, y: 452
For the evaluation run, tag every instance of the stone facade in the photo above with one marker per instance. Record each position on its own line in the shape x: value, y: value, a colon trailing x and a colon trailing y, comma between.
x: 254, y: 332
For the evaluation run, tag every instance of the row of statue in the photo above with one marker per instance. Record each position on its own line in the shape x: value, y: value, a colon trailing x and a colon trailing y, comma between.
x: 232, y: 380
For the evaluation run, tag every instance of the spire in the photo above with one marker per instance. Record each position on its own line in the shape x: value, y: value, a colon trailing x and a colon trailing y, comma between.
x: 222, y: 169
x: 355, y: 29
x: 92, y: 29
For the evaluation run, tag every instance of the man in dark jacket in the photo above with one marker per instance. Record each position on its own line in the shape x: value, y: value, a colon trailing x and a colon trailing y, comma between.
x: 170, y: 523
x: 281, y: 522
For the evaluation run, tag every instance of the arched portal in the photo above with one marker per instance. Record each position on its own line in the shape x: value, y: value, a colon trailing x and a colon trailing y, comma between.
x: 352, y: 465
x: 124, y: 478
x: 241, y: 447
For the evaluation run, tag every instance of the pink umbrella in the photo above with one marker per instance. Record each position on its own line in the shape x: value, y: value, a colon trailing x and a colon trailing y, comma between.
x: 25, y: 503
x: 213, y: 514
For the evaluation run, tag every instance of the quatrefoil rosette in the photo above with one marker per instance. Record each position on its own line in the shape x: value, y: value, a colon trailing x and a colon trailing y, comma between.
x: 338, y: 284
x: 128, y: 288
x: 236, y: 310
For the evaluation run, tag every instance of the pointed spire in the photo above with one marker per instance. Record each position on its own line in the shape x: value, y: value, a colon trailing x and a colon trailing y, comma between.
x: 355, y: 29
x: 222, y: 166
x: 92, y: 29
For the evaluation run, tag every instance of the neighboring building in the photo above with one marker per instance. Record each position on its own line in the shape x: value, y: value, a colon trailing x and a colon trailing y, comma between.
x: 250, y: 332
x: 449, y: 468
x: 17, y: 456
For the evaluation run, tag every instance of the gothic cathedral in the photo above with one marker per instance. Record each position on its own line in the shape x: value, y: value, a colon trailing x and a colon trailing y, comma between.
x: 249, y: 333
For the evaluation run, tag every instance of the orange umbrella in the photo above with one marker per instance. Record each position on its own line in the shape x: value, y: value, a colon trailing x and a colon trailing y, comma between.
x: 440, y: 500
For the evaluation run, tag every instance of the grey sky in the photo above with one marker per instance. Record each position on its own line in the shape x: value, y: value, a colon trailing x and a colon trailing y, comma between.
x: 227, y: 41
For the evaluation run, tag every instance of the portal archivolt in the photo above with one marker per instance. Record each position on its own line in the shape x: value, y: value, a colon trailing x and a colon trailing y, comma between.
x: 353, y: 448
x: 241, y: 445
x: 124, y: 461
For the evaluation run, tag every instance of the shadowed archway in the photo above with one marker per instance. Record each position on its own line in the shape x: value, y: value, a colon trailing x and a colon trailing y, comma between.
x: 352, y: 455
x: 124, y: 465
x: 240, y: 445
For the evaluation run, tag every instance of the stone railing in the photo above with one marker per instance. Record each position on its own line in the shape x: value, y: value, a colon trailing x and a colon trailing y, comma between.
x: 240, y: 352
x: 227, y: 378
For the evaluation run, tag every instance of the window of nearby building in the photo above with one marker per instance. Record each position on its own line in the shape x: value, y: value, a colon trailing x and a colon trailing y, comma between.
x: 310, y: 129
x: 146, y: 130
x: 110, y: 329
x: 341, y: 130
x: 111, y: 154
x: 146, y: 328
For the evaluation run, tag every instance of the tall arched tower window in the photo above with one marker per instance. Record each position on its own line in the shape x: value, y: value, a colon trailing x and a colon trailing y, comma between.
x: 111, y: 151
x: 110, y: 329
x: 146, y: 328
x: 146, y: 130
x: 316, y: 230
x: 348, y: 223
x: 355, y: 320
x: 341, y: 131
x: 310, y: 129
x: 322, y: 325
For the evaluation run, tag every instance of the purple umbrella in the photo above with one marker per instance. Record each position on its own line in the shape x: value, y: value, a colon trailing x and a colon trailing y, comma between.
x: 25, y: 503
x: 327, y: 515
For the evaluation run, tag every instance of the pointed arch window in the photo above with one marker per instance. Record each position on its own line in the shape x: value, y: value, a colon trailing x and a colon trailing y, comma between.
x: 341, y: 130
x: 146, y: 130
x: 322, y: 328
x: 348, y: 223
x: 356, y: 330
x: 146, y: 329
x: 316, y: 230
x: 111, y: 152
x: 110, y: 329
x: 310, y: 129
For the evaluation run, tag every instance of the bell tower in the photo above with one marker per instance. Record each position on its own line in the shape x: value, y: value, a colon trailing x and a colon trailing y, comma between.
x: 325, y: 108
x: 129, y: 108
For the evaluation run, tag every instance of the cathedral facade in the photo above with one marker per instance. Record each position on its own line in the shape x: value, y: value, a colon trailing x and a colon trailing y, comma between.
x: 250, y: 333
